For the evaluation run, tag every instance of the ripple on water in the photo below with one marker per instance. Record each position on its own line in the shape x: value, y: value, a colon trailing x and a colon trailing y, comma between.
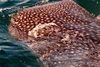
x: 16, y: 54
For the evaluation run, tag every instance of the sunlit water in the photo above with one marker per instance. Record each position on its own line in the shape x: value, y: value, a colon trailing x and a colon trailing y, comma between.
x: 14, y: 53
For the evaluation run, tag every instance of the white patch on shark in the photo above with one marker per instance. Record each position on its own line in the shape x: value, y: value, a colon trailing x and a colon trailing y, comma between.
x: 34, y: 31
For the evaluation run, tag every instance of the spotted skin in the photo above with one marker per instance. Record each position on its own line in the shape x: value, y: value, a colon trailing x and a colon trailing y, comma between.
x: 81, y: 47
x: 57, y: 13
x: 61, y: 32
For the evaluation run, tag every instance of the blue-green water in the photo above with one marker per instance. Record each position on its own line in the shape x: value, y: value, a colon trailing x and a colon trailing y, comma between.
x: 14, y: 53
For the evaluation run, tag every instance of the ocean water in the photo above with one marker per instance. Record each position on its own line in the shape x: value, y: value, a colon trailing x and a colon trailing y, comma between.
x: 14, y: 53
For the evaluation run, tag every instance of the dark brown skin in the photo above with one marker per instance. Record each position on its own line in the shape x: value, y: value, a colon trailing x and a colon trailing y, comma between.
x: 61, y: 32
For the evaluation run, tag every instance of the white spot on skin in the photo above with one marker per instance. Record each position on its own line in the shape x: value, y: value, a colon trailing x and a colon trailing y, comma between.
x: 34, y: 31
x: 98, y: 20
x: 12, y: 20
x: 98, y: 17
x: 66, y: 38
